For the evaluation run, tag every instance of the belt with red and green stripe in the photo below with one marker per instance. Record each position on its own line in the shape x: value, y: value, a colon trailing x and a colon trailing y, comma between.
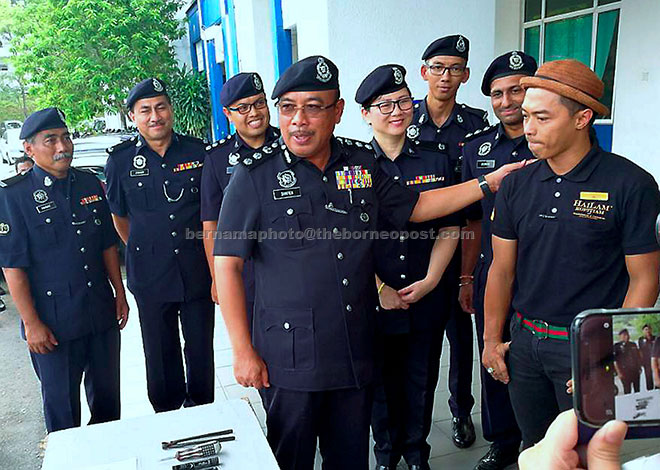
x: 542, y: 329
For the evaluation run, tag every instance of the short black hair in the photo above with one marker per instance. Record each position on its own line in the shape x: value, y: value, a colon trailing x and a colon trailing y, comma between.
x: 575, y: 107
x: 625, y: 330
x: 646, y: 326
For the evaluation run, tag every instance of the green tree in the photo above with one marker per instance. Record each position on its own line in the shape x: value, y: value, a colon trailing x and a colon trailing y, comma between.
x: 191, y: 102
x: 14, y: 101
x: 85, y: 55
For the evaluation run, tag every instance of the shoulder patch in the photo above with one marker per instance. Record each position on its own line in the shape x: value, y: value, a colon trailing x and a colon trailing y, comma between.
x: 479, y: 133
x: 13, y: 180
x: 122, y: 146
x: 255, y: 158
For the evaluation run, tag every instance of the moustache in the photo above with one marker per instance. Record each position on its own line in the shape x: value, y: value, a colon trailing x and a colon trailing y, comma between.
x: 62, y: 156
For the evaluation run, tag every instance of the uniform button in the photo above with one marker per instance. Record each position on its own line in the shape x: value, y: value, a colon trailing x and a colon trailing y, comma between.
x: 481, y: 255
x: 514, y: 153
x: 174, y: 234
x: 89, y: 284
x: 558, y: 180
x: 73, y: 215
x: 286, y: 325
x: 86, y: 267
x: 137, y: 248
x: 172, y: 216
x: 139, y: 184
x: 349, y: 308
x: 553, y: 210
x: 82, y: 250
x: 49, y: 293
x: 192, y: 178
x: 557, y: 194
x: 363, y: 202
x: 340, y: 255
x: 163, y: 165
x: 403, y: 276
x: 48, y: 220
x: 396, y: 178
x: 345, y: 281
x: 167, y: 182
x: 402, y: 257
x: 79, y: 232
x: 438, y: 131
x: 335, y: 231
x: 289, y: 211
x: 325, y: 179
x: 176, y: 251
x: 402, y: 239
x: 94, y: 211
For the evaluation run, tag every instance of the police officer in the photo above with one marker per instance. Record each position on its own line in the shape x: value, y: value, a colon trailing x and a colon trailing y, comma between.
x: 58, y: 251
x: 153, y: 190
x: 408, y: 272
x: 575, y: 230
x: 645, y: 344
x: 244, y: 104
x: 627, y: 362
x: 655, y: 363
x: 440, y: 119
x: 299, y: 208
x: 484, y: 150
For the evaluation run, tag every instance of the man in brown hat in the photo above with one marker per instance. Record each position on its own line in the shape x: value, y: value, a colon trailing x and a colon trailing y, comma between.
x: 575, y: 230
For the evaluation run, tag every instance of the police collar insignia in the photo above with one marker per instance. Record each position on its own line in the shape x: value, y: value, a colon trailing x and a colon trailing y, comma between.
x: 233, y: 158
x: 40, y: 196
x: 460, y: 44
x: 48, y: 181
x: 484, y: 149
x: 257, y: 155
x: 459, y: 118
x: 158, y: 87
x: 353, y: 177
x: 4, y: 228
x: 187, y: 166
x: 412, y: 132
x: 515, y: 61
x: 139, y: 162
x: 398, y: 76
x: 287, y: 178
x: 89, y: 199
x: 323, y: 73
x: 267, y: 150
x: 257, y: 82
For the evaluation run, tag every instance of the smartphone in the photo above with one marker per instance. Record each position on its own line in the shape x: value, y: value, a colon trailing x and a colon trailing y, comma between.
x: 616, y: 368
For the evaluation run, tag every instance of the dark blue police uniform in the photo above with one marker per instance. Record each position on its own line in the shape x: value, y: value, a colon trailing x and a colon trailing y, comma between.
x: 463, y: 120
x: 573, y: 233
x: 56, y: 231
x: 408, y: 336
x: 219, y: 164
x: 165, y: 264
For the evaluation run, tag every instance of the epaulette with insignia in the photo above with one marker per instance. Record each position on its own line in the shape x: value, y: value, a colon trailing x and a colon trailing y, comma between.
x: 218, y: 143
x: 122, y: 145
x: 257, y: 157
x: 479, y: 132
x: 482, y: 114
x: 430, y: 145
x: 13, y: 180
x: 353, y: 144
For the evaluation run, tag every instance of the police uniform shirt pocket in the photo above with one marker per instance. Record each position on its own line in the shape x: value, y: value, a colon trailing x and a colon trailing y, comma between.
x: 140, y: 193
x: 293, y: 216
x: 46, y: 233
x: 288, y: 336
x: 53, y: 302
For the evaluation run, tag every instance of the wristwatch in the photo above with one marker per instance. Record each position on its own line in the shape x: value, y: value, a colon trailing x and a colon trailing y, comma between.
x: 483, y: 184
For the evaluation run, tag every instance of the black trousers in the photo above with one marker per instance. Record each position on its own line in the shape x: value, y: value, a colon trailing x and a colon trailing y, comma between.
x: 648, y: 374
x: 61, y: 371
x: 167, y: 387
x: 338, y: 419
x: 400, y: 398
x: 497, y: 418
x: 538, y: 372
x: 630, y: 381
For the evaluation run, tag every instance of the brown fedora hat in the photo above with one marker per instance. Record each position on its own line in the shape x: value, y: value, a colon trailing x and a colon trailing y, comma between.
x: 572, y: 79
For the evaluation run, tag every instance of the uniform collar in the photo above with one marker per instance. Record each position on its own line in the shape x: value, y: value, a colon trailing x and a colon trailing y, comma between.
x: 141, y: 143
x: 581, y: 172
x: 43, y: 176
x: 456, y: 116
x: 501, y: 136
x: 337, y: 152
x: 408, y: 149
x: 272, y: 134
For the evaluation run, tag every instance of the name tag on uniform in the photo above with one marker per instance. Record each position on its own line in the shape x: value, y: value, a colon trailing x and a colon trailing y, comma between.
x: 135, y: 173
x: 353, y: 177
x: 286, y: 193
x: 187, y: 166
x: 46, y: 207
x: 485, y: 164
x: 592, y: 196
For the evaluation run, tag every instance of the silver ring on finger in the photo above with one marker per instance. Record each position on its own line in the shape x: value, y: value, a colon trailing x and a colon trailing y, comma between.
x: 490, y: 370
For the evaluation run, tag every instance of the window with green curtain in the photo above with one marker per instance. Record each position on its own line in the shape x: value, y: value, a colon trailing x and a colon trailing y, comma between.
x: 569, y: 38
x: 559, y: 7
x: 532, y: 42
x: 532, y: 10
x: 606, y: 43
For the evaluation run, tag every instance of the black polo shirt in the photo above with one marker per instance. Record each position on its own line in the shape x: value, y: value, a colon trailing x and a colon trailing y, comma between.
x: 315, y: 290
x: 574, y: 231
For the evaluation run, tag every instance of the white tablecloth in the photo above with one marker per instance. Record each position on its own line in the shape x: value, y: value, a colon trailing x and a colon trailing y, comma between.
x: 136, y: 443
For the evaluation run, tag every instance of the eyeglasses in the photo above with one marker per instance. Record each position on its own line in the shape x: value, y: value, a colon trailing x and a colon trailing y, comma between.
x: 387, y: 107
x: 439, y: 69
x: 245, y: 108
x: 310, y: 110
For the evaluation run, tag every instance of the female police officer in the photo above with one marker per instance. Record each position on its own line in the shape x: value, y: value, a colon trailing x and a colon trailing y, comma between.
x: 408, y: 270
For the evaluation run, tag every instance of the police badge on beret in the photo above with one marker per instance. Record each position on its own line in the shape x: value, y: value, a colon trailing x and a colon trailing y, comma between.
x: 398, y: 76
x: 412, y: 132
x: 323, y: 73
x: 158, y: 87
x: 257, y: 82
x: 515, y: 61
x: 287, y: 178
x: 139, y: 162
x: 460, y: 44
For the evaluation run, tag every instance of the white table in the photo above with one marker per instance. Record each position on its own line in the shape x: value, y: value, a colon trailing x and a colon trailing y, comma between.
x: 136, y: 442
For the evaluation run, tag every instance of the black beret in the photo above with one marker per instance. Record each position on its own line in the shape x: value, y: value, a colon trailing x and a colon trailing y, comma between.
x: 511, y: 63
x: 241, y: 86
x: 49, y: 118
x: 315, y: 73
x: 382, y: 80
x: 146, y: 89
x: 455, y: 45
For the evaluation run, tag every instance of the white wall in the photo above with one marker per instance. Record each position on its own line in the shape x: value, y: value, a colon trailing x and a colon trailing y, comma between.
x: 311, y: 20
x: 370, y: 33
x: 637, y: 85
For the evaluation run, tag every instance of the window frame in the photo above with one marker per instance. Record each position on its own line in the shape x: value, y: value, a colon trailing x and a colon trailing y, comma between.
x: 595, y: 10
